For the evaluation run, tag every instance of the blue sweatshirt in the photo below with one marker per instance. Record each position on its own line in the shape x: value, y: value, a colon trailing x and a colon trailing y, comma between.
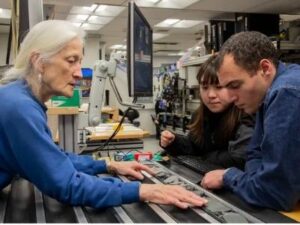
x: 271, y: 178
x: 27, y: 150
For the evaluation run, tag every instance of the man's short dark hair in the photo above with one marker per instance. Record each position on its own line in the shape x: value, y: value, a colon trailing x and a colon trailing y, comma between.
x: 248, y: 49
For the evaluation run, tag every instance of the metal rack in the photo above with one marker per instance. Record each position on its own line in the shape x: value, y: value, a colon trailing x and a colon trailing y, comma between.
x: 196, y: 61
x: 289, y: 51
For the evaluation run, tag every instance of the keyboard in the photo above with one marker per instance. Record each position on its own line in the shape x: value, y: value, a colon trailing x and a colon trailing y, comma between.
x: 196, y: 163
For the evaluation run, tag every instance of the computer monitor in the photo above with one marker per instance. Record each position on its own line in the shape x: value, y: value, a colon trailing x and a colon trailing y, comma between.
x: 139, y: 53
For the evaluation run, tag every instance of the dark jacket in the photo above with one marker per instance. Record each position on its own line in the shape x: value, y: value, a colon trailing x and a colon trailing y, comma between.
x: 226, y: 155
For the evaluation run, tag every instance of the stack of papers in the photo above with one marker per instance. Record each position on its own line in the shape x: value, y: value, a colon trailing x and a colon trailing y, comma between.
x: 109, y: 127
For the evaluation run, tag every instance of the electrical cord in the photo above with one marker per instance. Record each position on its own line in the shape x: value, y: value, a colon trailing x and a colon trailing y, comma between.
x: 98, y: 149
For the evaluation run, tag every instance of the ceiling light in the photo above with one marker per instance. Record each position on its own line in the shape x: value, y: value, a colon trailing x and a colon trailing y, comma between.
x: 101, y: 8
x: 176, y: 23
x: 187, y: 23
x: 107, y: 10
x: 96, y: 15
x: 80, y: 10
x: 287, y: 18
x: 5, y: 13
x: 118, y: 46
x: 121, y: 52
x: 77, y: 24
x: 157, y: 36
x: 88, y: 26
x: 84, y: 9
x: 82, y: 17
x: 167, y: 23
x: 91, y: 8
x: 154, y: 1
x: 171, y: 21
x: 172, y: 4
x: 77, y: 18
x: 100, y: 19
x: 176, y: 54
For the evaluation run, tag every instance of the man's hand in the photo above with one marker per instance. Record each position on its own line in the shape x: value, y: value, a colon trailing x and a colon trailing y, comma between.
x: 131, y: 168
x: 213, y: 179
x: 171, y: 195
x: 166, y: 138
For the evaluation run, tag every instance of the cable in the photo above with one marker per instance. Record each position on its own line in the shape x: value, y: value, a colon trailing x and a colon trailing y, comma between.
x: 98, y: 149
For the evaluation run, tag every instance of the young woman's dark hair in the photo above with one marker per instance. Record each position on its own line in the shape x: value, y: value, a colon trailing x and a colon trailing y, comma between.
x: 228, y: 120
x: 219, y: 132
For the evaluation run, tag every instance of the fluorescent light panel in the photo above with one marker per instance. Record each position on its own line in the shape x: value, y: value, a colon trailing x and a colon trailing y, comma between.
x: 153, y: 1
x: 107, y: 10
x: 84, y: 9
x: 88, y: 26
x: 157, y: 36
x: 80, y: 10
x: 167, y: 23
x: 285, y: 17
x: 176, y: 54
x: 94, y: 16
x: 176, y: 23
x: 118, y: 47
x: 172, y: 4
x: 147, y: 3
x: 187, y: 23
x: 5, y: 13
x: 77, y: 18
x: 77, y: 24
x: 91, y: 8
x: 100, y: 19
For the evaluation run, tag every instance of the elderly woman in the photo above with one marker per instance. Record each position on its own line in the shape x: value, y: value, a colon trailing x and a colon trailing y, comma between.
x: 48, y: 64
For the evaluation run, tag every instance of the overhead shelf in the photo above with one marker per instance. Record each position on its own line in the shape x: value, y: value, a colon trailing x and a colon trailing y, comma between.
x: 194, y: 101
x: 288, y: 45
x: 196, y: 61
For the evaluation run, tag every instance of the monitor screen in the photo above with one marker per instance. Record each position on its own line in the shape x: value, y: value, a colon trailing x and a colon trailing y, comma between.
x: 87, y: 72
x: 139, y: 50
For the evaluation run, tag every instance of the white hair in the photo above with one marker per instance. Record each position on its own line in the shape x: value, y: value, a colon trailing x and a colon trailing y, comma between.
x: 46, y: 38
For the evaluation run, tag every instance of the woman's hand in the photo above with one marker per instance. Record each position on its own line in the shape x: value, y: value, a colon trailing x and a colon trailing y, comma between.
x: 131, y: 168
x: 171, y: 195
x: 166, y: 138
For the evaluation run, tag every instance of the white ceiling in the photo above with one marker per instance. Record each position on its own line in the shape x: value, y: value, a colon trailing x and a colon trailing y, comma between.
x: 180, y: 39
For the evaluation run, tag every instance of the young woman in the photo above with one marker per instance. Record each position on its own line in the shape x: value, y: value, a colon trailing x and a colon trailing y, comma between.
x: 49, y: 63
x: 219, y: 131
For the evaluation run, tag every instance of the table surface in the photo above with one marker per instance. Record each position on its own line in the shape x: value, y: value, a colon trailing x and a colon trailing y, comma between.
x: 119, y: 135
x: 75, y: 110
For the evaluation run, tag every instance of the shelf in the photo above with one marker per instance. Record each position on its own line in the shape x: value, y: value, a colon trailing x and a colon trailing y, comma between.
x: 193, y: 86
x: 172, y: 114
x: 288, y: 45
x: 194, y: 101
x: 196, y: 61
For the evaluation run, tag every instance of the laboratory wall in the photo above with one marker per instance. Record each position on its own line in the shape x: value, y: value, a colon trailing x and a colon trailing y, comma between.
x: 91, y: 53
x: 3, y: 48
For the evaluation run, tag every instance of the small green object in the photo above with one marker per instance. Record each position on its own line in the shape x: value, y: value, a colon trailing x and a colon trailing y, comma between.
x: 62, y: 101
x: 129, y: 157
x: 157, y: 157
